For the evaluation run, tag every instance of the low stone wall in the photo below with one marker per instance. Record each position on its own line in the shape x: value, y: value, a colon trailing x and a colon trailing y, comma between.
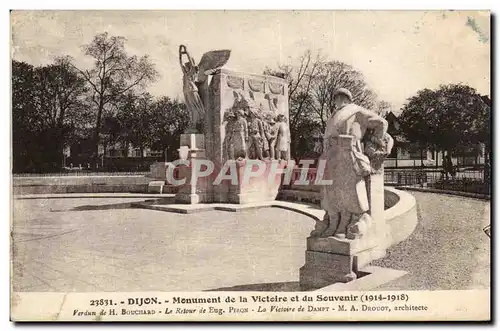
x: 400, y: 209
x: 400, y: 213
x: 447, y: 192
x: 80, y: 184
x: 390, y: 198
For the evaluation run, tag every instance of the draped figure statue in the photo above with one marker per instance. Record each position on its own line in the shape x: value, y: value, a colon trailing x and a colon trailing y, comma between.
x: 349, y: 160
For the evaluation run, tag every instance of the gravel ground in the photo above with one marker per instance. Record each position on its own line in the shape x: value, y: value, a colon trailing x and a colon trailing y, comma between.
x: 448, y: 249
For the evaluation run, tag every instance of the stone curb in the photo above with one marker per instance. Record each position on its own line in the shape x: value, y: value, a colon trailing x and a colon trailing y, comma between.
x: 448, y: 192
x: 304, y: 209
x: 88, y: 195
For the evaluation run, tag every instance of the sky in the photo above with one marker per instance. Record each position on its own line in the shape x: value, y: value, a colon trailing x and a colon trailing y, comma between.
x: 399, y: 52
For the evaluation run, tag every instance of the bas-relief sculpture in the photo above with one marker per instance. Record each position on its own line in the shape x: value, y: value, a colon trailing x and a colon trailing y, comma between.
x: 233, y: 116
x: 266, y: 131
x: 355, y: 145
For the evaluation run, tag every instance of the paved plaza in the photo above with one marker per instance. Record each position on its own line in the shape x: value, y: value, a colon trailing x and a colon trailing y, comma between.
x: 101, y: 244
x: 61, y: 245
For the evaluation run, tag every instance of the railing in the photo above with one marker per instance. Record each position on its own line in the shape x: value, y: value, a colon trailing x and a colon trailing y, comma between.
x: 83, y: 173
x: 407, y: 163
x: 472, y: 181
x: 405, y: 177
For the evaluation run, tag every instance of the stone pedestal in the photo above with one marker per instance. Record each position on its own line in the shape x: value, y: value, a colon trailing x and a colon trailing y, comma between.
x: 379, y: 229
x: 332, y: 260
x: 249, y: 189
x: 323, y: 269
x: 194, y: 190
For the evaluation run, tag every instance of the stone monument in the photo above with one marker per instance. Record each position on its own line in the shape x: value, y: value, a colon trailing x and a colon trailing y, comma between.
x: 235, y: 118
x: 353, y: 231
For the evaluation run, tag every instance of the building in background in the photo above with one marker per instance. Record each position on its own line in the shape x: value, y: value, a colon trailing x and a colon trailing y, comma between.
x: 408, y: 154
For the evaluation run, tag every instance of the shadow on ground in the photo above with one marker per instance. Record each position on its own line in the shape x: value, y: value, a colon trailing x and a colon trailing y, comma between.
x: 123, y: 205
x: 264, y: 287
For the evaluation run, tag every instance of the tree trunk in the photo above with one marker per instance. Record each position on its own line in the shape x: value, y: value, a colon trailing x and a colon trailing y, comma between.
x: 97, y: 132
x: 127, y: 147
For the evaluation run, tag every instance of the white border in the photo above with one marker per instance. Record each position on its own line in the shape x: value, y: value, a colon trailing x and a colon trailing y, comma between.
x: 255, y: 4
x: 183, y: 4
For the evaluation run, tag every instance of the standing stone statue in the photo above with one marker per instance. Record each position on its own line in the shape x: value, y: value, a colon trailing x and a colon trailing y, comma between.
x: 195, y: 83
x: 265, y: 140
x: 256, y: 135
x: 271, y: 133
x: 345, y: 200
x: 283, y: 138
x: 235, y: 141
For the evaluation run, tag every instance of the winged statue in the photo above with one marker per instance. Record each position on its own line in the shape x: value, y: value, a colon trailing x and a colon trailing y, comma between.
x: 195, y: 82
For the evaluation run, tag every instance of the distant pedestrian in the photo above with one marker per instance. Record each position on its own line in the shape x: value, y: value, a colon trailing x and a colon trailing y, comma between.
x: 487, y: 168
x: 448, y: 167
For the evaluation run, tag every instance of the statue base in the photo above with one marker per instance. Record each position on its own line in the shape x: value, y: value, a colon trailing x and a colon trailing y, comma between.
x: 333, y: 260
x: 250, y: 189
x: 189, y: 198
x: 192, y: 191
x: 243, y: 181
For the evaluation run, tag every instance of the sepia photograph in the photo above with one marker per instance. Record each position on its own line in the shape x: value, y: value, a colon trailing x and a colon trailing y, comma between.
x: 250, y: 165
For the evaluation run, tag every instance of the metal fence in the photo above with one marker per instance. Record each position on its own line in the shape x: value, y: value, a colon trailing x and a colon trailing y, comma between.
x: 464, y: 180
x: 405, y: 177
x: 472, y: 181
x: 83, y: 173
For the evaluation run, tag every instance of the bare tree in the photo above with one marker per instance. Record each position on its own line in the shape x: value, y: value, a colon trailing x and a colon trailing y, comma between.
x: 383, y: 108
x: 300, y: 82
x: 311, y: 85
x: 332, y: 76
x: 114, y: 73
